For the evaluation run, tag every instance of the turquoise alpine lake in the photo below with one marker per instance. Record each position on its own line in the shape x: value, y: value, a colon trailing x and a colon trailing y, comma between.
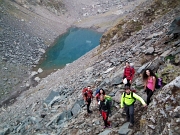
x: 69, y: 47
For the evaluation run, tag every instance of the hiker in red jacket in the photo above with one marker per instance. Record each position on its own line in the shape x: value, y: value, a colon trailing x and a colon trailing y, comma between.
x: 128, y: 74
x: 88, y: 96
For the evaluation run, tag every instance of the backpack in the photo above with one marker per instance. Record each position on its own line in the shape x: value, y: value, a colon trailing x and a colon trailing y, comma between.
x: 97, y: 91
x: 158, y: 83
x: 132, y: 70
x: 107, y: 97
x: 85, y: 92
x: 131, y: 96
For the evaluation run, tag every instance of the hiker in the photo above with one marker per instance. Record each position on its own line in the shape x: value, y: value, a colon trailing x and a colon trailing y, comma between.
x: 149, y: 79
x: 128, y: 99
x: 104, y: 108
x: 109, y: 98
x: 97, y: 96
x: 88, y: 97
x: 128, y: 74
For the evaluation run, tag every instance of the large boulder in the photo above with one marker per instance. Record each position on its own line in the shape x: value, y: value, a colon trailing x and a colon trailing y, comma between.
x: 175, y: 26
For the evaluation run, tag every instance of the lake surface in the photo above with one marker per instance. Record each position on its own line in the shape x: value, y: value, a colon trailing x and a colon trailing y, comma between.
x: 69, y: 47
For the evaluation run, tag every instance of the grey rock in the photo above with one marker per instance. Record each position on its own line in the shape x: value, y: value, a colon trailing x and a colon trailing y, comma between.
x: 64, y: 117
x: 116, y: 80
x: 75, y: 109
x: 149, y: 51
x: 4, y: 131
x: 55, y: 99
x: 124, y: 130
x: 106, y: 132
x: 142, y: 68
x: 175, y: 52
x: 151, y: 126
x: 155, y: 35
x: 177, y: 43
x: 165, y: 54
x: 139, y: 82
x: 175, y: 82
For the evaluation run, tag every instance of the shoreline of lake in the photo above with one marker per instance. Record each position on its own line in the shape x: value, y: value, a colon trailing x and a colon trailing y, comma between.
x: 83, y: 40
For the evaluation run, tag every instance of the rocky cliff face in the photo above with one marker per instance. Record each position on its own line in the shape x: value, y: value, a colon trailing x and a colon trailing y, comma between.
x: 55, y: 105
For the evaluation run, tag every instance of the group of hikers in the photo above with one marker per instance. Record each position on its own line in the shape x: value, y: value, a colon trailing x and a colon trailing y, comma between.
x: 127, y: 99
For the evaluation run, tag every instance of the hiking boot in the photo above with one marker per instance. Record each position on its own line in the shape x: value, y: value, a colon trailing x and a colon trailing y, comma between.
x: 131, y: 125
x: 89, y: 111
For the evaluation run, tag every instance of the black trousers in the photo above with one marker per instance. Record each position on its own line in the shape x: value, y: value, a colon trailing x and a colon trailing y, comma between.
x: 88, y: 104
x: 128, y: 83
x: 149, y: 95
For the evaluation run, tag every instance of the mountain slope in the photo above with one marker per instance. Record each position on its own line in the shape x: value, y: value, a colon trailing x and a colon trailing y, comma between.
x: 55, y: 105
x: 28, y: 28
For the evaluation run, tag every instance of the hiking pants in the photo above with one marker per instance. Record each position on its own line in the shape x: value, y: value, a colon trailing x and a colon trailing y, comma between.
x: 149, y: 94
x: 129, y: 109
x: 105, y: 118
x: 128, y: 83
x: 88, y: 104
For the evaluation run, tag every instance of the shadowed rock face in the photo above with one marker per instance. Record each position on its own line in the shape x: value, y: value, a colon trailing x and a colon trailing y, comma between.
x: 175, y: 26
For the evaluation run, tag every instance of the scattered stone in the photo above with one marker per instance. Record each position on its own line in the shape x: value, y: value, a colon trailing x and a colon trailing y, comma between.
x: 124, y: 130
x: 40, y: 70
x: 37, y: 79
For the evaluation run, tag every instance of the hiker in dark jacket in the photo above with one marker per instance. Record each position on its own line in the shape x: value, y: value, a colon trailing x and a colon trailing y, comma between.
x: 104, y: 108
x: 128, y: 99
x: 107, y: 97
x: 88, y: 97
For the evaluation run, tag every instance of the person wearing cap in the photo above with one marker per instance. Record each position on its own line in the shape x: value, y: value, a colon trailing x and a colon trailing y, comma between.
x: 127, y: 101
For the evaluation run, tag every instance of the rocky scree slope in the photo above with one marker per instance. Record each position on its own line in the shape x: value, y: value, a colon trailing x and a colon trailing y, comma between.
x: 28, y: 28
x: 60, y: 110
x: 19, y: 51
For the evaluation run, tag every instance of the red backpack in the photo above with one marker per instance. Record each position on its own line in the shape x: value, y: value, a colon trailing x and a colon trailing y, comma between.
x: 87, y: 93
